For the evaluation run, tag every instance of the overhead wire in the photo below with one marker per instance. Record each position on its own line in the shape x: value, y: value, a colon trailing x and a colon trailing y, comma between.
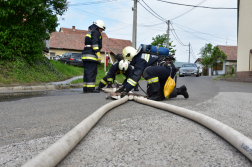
x: 194, y: 5
x: 188, y: 11
x: 201, y: 32
x: 177, y: 36
x: 152, y: 13
x: 91, y: 3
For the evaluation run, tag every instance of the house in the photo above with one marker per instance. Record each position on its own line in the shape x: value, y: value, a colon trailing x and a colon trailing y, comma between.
x: 72, y: 40
x: 244, y: 50
x: 230, y: 62
x: 226, y: 66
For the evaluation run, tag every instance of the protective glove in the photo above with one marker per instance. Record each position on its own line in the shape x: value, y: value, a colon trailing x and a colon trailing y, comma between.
x: 120, y: 90
x: 124, y: 93
x: 98, y: 54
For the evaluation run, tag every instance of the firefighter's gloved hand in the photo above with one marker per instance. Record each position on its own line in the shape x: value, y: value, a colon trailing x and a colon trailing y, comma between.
x: 120, y: 90
x: 98, y: 54
x: 124, y: 93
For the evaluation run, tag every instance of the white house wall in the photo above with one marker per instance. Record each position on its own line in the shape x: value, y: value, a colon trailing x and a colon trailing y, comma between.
x: 244, y: 35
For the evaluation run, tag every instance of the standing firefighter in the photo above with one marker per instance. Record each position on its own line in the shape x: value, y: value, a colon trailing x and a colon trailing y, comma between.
x: 155, y: 70
x: 91, y: 56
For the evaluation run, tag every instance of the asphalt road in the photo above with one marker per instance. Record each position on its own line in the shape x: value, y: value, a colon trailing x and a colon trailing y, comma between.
x: 131, y: 134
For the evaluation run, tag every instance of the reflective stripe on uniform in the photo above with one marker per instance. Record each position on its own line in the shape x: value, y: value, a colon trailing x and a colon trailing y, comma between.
x: 131, y: 82
x: 146, y: 57
x: 88, y: 35
x: 100, y: 37
x: 110, y: 79
x: 89, y: 84
x: 89, y: 56
x: 84, y: 84
x: 95, y: 47
x: 104, y: 82
x: 152, y: 80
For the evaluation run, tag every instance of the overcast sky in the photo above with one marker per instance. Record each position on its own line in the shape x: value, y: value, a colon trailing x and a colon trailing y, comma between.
x: 193, y: 25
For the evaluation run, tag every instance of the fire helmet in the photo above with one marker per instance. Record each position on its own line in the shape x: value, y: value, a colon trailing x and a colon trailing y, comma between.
x: 123, y: 65
x: 129, y: 52
x: 100, y: 24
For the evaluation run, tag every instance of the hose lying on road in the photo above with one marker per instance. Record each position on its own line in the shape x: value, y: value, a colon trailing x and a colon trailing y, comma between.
x: 57, y: 151
x: 238, y: 140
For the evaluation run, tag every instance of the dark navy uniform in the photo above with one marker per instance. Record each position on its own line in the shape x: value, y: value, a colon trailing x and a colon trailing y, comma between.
x: 109, y: 78
x: 93, y: 45
x: 153, y: 69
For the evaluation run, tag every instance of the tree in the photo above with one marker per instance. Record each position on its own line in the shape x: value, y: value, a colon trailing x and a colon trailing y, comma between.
x: 161, y: 41
x: 25, y: 24
x: 210, y: 55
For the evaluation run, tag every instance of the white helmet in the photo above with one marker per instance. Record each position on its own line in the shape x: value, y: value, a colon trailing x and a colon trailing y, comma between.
x: 100, y: 24
x: 123, y: 65
x: 129, y: 52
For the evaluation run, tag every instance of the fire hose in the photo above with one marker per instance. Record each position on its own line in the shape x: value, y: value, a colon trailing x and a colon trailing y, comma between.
x: 56, y: 152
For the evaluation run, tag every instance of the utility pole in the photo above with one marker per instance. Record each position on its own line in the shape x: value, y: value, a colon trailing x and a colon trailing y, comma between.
x: 134, y: 24
x: 189, y: 53
x: 168, y: 33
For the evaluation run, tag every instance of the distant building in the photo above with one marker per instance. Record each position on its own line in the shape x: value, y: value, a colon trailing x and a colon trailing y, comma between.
x: 226, y: 66
x: 73, y: 40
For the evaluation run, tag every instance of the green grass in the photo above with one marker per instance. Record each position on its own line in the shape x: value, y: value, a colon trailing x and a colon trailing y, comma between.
x: 18, y: 71
x: 67, y: 70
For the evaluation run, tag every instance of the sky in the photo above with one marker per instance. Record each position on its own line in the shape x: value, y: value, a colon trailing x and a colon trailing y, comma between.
x: 195, y: 25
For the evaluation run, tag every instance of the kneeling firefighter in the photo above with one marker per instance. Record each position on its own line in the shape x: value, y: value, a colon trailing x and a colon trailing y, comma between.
x: 155, y: 70
x: 117, y: 68
x: 91, y: 55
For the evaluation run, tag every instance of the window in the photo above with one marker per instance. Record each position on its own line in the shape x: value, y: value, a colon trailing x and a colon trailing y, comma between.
x: 218, y: 66
x: 52, y: 55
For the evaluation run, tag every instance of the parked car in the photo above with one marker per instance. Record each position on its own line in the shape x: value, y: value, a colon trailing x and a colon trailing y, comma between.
x: 189, y: 69
x: 71, y: 59
x: 57, y: 57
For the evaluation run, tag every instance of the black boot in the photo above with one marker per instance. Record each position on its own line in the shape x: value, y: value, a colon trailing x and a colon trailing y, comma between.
x: 84, y: 90
x: 93, y: 91
x: 136, y: 88
x: 98, y: 88
x: 157, y: 96
x: 183, y: 91
x: 109, y: 86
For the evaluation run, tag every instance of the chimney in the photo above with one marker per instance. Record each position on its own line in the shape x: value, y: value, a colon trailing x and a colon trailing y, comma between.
x: 73, y: 28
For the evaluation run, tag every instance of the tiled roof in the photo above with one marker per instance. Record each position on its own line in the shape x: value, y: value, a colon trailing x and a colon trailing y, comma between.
x: 81, y: 32
x: 115, y: 45
x: 66, y: 41
x: 198, y: 60
x: 75, y: 41
x: 230, y: 51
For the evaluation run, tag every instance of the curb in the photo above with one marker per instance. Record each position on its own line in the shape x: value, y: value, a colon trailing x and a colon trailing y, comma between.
x: 27, y: 88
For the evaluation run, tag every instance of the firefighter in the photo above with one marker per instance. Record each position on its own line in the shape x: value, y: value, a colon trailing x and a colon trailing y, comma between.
x: 155, y: 70
x: 117, y: 68
x: 91, y: 55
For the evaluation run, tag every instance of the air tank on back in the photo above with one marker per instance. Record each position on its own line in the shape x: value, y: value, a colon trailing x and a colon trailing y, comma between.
x: 156, y: 50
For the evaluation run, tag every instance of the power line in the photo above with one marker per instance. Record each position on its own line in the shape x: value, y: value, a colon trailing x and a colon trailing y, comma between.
x: 197, y: 36
x: 194, y: 5
x: 177, y: 36
x: 152, y: 13
x: 187, y: 11
x: 91, y: 3
x: 201, y: 32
